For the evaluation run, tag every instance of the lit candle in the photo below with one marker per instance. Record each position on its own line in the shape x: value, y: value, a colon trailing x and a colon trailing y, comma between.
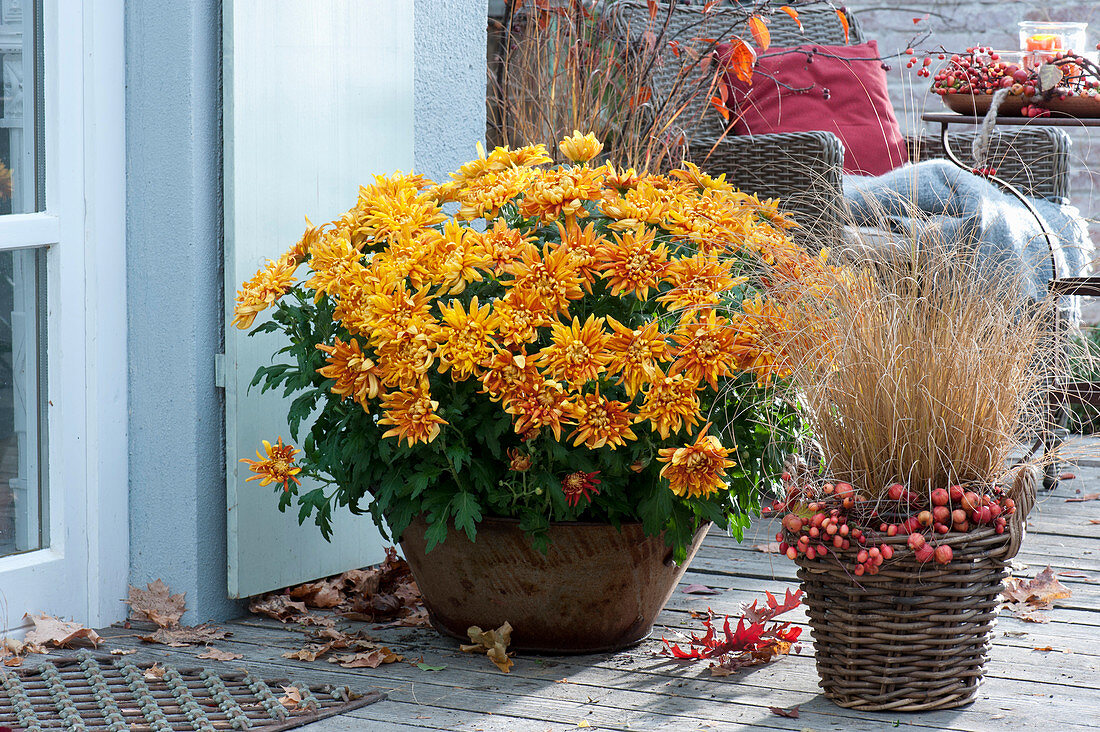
x: 1044, y: 42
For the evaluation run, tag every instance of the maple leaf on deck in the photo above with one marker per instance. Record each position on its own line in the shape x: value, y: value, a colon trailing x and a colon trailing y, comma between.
x: 1040, y: 592
x: 49, y: 630
x: 186, y: 635
x: 278, y: 606
x: 156, y: 603
x: 756, y: 640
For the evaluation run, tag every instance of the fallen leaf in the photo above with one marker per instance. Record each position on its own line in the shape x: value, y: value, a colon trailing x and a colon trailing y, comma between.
x: 1015, y: 634
x: 1040, y: 593
x: 1067, y: 476
x: 122, y: 652
x: 10, y: 646
x: 760, y: 32
x: 1073, y: 575
x: 291, y: 698
x: 426, y: 667
x: 321, y: 594
x: 49, y: 630
x: 583, y: 723
x: 1094, y: 521
x: 216, y: 655
x: 278, y: 606
x: 1026, y: 612
x: 156, y: 603
x: 700, y: 590
x: 791, y: 713
x: 772, y: 547
x: 493, y: 642
x: 1082, y: 499
x: 186, y: 635
x: 755, y: 641
x: 368, y: 659
x: 1044, y: 648
x: 13, y: 661
x: 155, y: 672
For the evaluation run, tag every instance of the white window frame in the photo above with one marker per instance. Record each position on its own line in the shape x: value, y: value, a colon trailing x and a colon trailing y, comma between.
x: 83, y: 572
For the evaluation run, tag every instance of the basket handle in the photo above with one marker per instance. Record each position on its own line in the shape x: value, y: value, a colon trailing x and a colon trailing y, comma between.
x: 1025, y: 488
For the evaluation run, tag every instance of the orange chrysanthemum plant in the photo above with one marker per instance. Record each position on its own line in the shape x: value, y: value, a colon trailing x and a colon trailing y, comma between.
x: 576, y: 342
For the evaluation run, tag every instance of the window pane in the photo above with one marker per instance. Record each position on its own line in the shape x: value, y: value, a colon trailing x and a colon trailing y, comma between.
x: 20, y: 152
x: 22, y: 378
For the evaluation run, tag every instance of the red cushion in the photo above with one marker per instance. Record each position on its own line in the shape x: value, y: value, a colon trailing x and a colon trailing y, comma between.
x: 842, y: 90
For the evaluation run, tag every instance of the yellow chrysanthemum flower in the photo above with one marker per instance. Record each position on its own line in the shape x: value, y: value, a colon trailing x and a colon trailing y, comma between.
x: 464, y: 339
x: 412, y: 414
x: 698, y: 469
x: 503, y: 245
x: 335, y: 264
x: 356, y: 375
x: 698, y: 282
x: 484, y: 196
x: 405, y: 360
x: 632, y: 264
x: 576, y: 354
x: 635, y: 353
x: 396, y: 310
x: 583, y: 246
x: 509, y: 375
x: 561, y: 193
x: 390, y: 210
x: 580, y: 148
x: 708, y: 349
x: 600, y: 422
x: 518, y: 316
x: 671, y: 402
x: 263, y: 289
x: 536, y: 406
x: 275, y: 465
x: 554, y: 278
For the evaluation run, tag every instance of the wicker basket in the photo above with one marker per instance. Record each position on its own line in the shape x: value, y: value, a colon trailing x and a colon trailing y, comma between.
x: 915, y: 636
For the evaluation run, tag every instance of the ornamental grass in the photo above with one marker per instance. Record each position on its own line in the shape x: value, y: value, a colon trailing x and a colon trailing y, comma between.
x: 579, y: 342
x: 925, y: 366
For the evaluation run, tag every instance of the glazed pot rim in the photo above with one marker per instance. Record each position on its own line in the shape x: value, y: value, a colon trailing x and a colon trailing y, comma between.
x: 509, y: 520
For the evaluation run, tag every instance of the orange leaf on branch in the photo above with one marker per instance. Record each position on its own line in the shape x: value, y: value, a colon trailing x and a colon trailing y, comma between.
x: 843, y: 23
x: 741, y: 60
x: 793, y: 13
x: 760, y: 32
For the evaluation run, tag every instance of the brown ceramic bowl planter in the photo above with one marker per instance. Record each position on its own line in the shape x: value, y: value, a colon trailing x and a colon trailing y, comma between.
x: 597, y: 589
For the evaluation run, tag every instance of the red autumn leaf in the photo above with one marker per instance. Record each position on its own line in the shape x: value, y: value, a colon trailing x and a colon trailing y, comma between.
x: 710, y: 6
x: 741, y: 60
x: 674, y: 46
x: 793, y: 13
x: 760, y: 32
x: 772, y: 607
x: 751, y: 643
x: 1082, y: 499
x: 791, y: 713
x: 843, y: 23
x: 652, y: 9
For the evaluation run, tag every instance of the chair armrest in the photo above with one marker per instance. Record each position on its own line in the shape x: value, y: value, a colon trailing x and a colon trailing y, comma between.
x: 1034, y: 159
x: 802, y: 169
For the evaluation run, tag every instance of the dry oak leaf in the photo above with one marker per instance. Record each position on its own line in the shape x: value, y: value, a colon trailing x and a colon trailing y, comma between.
x: 49, y: 630
x: 186, y: 635
x: 155, y: 672
x: 1040, y: 593
x: 13, y: 661
x: 322, y: 594
x: 216, y: 655
x: 493, y: 642
x: 122, y: 652
x: 157, y: 603
x: 310, y: 652
x: 368, y: 659
x: 278, y: 606
x: 291, y: 698
x: 791, y: 713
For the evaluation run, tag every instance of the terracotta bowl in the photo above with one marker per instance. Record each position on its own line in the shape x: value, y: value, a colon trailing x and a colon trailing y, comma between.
x: 598, y: 589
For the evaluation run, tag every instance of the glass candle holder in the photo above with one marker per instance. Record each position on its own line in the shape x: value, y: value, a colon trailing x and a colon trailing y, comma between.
x: 1050, y: 37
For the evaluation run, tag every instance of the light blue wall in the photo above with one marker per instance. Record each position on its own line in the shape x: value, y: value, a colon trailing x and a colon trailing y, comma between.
x: 174, y: 264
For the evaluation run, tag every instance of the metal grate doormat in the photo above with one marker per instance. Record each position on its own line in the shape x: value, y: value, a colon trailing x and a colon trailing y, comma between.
x: 85, y: 693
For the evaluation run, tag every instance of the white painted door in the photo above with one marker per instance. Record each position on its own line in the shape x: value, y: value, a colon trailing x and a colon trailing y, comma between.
x: 318, y: 98
x: 63, y: 444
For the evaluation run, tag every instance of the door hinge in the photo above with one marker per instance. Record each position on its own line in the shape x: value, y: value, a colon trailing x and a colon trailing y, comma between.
x: 219, y: 370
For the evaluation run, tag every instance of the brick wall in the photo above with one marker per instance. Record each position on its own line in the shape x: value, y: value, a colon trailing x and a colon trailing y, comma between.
x: 958, y: 24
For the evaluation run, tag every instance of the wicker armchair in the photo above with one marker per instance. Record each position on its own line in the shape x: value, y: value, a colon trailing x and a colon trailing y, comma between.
x: 804, y: 169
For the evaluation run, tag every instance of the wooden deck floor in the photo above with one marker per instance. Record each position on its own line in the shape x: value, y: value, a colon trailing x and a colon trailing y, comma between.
x: 1025, y: 688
